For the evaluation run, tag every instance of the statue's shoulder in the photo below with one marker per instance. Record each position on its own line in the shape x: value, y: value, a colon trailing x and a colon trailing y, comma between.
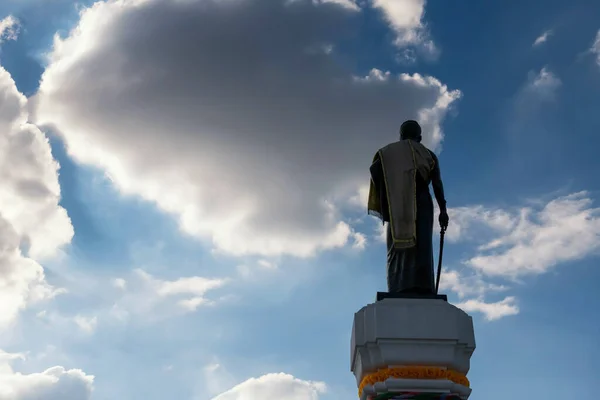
x: 383, y: 149
x: 397, y: 149
x: 431, y: 153
x: 424, y: 148
x: 420, y: 146
x: 392, y: 145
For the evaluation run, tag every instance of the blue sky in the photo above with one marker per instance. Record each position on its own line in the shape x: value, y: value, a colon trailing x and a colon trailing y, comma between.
x: 206, y: 234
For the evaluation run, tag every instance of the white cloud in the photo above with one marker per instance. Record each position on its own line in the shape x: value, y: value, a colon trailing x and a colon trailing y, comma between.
x: 565, y: 229
x: 146, y: 293
x: 30, y: 190
x: 33, y: 226
x: 119, y: 313
x: 360, y: 241
x: 491, y: 311
x: 595, y: 49
x: 22, y: 280
x: 86, y: 324
x: 529, y: 240
x: 543, y: 38
x: 360, y: 198
x: 349, y: 4
x: 407, y: 57
x: 120, y: 283
x: 9, y: 29
x: 275, y: 386
x: 56, y: 383
x: 216, y: 379
x: 252, y: 135
x: 249, y: 270
x: 471, y: 285
x: 346, y: 4
x: 531, y: 104
x: 467, y: 222
x: 518, y: 242
x: 544, y: 84
x: 266, y: 264
x: 406, y: 18
x: 194, y: 285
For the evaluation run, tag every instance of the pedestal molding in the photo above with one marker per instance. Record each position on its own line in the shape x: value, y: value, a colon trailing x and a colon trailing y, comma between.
x: 413, y: 333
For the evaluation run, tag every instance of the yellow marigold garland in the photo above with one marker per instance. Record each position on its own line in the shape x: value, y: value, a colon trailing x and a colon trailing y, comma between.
x: 413, y: 373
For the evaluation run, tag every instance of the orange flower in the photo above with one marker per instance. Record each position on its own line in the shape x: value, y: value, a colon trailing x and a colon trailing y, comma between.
x: 412, y: 373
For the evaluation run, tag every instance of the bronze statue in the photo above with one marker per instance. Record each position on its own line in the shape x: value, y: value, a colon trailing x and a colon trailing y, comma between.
x: 399, y: 194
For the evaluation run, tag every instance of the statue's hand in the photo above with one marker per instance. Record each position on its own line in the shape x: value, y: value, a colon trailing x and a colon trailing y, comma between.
x: 444, y: 219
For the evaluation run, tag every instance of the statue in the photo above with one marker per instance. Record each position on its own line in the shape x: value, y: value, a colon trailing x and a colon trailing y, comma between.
x: 399, y: 194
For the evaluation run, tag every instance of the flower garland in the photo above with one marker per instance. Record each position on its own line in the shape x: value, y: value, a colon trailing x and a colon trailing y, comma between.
x: 413, y: 373
x: 416, y: 396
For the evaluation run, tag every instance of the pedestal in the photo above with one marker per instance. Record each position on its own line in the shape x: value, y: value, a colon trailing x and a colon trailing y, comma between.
x: 410, y: 348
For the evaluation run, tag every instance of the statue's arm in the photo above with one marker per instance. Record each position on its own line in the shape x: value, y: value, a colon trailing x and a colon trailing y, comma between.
x: 436, y: 182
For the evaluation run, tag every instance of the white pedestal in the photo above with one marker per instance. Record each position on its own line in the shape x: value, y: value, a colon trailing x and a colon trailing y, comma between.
x: 412, y: 333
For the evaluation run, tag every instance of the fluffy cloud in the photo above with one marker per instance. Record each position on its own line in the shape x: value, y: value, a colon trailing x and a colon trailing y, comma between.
x: 32, y: 224
x: 474, y: 286
x: 543, y: 38
x: 30, y: 191
x: 86, y: 324
x: 406, y: 18
x: 275, y: 386
x: 491, y: 311
x: 9, y: 29
x: 194, y: 287
x: 466, y: 222
x: 514, y: 243
x: 595, y: 49
x: 235, y: 127
x: 56, y: 383
x: 528, y: 240
x: 565, y: 229
x: 467, y: 285
x: 143, y: 293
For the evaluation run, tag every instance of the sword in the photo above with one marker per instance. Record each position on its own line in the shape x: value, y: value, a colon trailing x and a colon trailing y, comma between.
x: 439, y: 270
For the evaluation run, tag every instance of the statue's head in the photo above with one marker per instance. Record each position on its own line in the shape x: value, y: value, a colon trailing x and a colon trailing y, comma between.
x: 410, y: 130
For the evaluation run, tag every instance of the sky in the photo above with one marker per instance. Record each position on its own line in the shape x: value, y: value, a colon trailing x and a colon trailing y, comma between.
x: 184, y: 183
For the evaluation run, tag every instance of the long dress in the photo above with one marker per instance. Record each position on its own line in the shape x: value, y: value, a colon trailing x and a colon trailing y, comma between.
x: 411, y: 270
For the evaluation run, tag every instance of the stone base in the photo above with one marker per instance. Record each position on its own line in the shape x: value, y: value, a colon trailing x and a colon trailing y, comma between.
x: 387, y: 295
x: 416, y: 396
x: 412, y: 332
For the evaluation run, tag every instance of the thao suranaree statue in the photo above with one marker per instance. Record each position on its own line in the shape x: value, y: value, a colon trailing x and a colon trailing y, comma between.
x: 401, y: 173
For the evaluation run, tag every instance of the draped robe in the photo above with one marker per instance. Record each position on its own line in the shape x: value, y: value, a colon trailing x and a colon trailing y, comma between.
x: 399, y: 194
